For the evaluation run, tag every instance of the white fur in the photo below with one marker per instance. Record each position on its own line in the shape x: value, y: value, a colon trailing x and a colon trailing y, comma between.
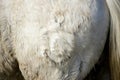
x: 56, y: 39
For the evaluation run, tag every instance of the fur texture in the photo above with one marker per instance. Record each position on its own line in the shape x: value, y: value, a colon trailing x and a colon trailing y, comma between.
x: 53, y: 39
x: 114, y: 7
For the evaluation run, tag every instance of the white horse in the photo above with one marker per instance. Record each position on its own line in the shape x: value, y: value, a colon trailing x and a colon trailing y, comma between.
x: 57, y: 39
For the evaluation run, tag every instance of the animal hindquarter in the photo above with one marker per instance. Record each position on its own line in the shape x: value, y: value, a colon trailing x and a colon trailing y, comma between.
x: 53, y: 39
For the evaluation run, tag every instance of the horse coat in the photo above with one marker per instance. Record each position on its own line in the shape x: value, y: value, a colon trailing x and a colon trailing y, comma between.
x: 53, y: 39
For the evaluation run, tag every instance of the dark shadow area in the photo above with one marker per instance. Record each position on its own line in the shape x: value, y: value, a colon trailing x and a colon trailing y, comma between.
x: 101, y: 71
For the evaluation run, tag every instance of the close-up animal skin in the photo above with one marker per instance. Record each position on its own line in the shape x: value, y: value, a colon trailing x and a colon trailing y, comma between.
x: 59, y: 39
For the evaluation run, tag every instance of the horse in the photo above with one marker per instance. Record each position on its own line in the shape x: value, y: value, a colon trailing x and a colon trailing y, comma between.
x: 57, y: 39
